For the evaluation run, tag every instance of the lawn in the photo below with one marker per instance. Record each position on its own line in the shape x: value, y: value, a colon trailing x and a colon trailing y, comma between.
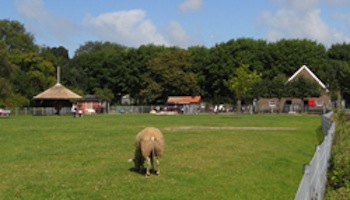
x: 61, y: 157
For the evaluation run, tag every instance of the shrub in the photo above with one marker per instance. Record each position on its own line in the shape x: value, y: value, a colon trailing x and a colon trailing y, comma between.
x: 338, y: 185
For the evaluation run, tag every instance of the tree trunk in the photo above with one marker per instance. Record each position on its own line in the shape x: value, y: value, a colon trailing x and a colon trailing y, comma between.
x: 239, y: 106
x: 279, y: 105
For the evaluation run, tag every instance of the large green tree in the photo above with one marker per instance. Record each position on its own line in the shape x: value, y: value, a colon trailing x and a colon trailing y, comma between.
x: 339, y: 70
x: 35, y: 73
x: 16, y: 37
x: 7, y: 73
x: 273, y: 88
x: 220, y: 67
x: 224, y: 58
x: 200, y: 61
x: 170, y: 74
x: 242, y: 83
x: 98, y: 65
x: 59, y: 57
x: 286, y: 56
x: 137, y: 64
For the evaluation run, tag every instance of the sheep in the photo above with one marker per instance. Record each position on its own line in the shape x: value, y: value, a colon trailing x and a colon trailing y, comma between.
x: 149, y: 143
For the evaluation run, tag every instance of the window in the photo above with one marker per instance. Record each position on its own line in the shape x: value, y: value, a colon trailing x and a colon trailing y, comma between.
x: 319, y: 102
x: 272, y: 103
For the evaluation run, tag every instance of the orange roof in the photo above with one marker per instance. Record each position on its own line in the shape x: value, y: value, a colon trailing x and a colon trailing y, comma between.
x: 184, y: 99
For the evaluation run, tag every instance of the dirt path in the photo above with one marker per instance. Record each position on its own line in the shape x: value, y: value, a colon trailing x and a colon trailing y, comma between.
x: 229, y: 128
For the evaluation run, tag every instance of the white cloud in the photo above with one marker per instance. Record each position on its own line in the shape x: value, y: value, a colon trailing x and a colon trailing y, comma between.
x: 130, y: 28
x: 43, y: 23
x: 297, y: 5
x: 342, y: 16
x: 32, y: 9
x: 298, y: 19
x: 338, y: 2
x: 191, y: 5
x: 178, y: 36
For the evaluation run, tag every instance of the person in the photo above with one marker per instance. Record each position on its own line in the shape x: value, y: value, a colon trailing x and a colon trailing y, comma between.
x: 80, y: 112
x: 74, y: 110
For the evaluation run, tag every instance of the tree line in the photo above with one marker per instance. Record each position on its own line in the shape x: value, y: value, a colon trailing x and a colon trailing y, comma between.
x: 151, y: 73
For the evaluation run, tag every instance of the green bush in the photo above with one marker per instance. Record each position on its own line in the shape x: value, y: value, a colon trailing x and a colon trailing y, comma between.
x: 338, y: 185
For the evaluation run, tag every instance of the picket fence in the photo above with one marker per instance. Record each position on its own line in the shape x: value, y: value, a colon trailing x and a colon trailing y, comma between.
x: 313, y: 183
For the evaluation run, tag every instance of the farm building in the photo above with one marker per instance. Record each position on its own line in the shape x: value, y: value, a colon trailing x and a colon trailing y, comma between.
x: 91, y: 105
x: 57, y: 96
x: 184, y: 104
x: 311, y: 104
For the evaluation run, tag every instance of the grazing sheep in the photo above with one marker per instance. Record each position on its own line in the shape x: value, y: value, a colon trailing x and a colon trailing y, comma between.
x: 149, y: 143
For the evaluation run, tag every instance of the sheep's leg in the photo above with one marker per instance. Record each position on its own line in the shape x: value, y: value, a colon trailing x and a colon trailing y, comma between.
x: 152, y: 163
x: 158, y: 166
x: 148, y: 163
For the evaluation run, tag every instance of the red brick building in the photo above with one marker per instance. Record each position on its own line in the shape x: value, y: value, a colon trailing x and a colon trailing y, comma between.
x: 91, y: 105
x: 310, y: 104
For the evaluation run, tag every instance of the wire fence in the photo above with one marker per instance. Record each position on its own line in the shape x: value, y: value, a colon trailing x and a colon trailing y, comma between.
x: 38, y: 111
x: 313, y: 183
x: 42, y: 111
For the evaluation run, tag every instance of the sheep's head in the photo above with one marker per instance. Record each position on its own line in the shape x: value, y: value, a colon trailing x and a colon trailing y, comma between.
x: 138, y: 160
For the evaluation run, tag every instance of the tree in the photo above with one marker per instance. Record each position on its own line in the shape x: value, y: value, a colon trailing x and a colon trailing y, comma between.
x: 136, y: 62
x: 170, y: 73
x: 36, y: 75
x: 224, y: 58
x: 276, y: 88
x: 7, y: 73
x: 339, y: 70
x: 247, y: 50
x: 220, y: 67
x: 105, y: 94
x: 199, y: 62
x: 286, y: 56
x: 59, y: 57
x: 242, y: 83
x: 100, y: 65
x: 15, y: 36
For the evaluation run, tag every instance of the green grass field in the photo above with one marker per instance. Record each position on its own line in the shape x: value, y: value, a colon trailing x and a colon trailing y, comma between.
x: 59, y: 157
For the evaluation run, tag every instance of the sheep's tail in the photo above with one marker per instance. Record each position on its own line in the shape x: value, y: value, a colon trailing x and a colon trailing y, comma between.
x: 152, y: 140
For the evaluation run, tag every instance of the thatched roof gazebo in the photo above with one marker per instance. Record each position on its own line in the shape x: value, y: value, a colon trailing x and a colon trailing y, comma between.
x: 57, y: 92
x: 56, y: 96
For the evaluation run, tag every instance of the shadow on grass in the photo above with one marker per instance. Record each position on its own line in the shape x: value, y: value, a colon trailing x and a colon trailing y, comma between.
x: 142, y: 171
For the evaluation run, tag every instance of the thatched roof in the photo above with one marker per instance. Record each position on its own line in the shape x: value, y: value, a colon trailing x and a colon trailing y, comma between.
x: 57, y: 92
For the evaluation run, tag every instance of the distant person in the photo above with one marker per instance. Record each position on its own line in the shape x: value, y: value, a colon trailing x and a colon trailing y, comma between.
x: 74, y: 110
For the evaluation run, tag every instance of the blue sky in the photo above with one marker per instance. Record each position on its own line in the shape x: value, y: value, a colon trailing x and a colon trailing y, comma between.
x: 184, y: 23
